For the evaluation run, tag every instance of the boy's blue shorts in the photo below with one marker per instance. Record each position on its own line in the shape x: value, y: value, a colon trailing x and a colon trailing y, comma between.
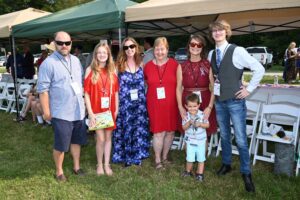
x: 195, y: 152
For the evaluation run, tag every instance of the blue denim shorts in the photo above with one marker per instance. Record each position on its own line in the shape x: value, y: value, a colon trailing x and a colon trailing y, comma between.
x: 66, y: 133
x: 195, y: 152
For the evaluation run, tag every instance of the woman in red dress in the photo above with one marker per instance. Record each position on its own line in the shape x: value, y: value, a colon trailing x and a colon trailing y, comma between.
x: 160, y: 76
x: 101, y: 94
x: 195, y: 76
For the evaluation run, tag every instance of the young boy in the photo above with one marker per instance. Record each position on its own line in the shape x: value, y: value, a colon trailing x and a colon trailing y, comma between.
x: 195, y: 136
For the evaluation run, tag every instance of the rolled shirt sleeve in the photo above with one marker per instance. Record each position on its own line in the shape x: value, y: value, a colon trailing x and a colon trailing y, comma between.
x: 242, y: 59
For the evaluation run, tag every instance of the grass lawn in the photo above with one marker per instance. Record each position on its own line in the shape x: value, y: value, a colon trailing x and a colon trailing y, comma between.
x: 2, y: 70
x: 27, y: 169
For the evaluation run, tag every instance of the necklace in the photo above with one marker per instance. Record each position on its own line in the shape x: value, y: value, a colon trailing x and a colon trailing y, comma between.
x: 133, y: 72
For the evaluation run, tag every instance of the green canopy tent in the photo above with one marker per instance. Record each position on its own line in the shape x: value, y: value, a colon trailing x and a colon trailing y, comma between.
x: 90, y: 21
x: 94, y: 20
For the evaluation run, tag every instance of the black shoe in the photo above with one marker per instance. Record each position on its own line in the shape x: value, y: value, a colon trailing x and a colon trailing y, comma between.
x: 249, y: 186
x: 187, y: 174
x: 224, y: 170
x: 79, y: 172
x: 200, y: 177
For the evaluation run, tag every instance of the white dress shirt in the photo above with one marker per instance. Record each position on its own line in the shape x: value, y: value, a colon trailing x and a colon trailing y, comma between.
x: 242, y: 59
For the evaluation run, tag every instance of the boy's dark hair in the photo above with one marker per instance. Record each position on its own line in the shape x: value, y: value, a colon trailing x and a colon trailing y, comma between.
x: 149, y: 40
x: 192, y: 98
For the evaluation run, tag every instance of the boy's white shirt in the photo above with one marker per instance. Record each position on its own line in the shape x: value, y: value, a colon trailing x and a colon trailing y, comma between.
x: 196, y: 133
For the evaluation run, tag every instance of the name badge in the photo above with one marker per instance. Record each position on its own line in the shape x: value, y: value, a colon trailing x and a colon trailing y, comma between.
x: 217, y: 87
x: 161, y: 93
x: 104, y: 102
x: 134, y: 94
x: 76, y: 88
x: 199, y: 95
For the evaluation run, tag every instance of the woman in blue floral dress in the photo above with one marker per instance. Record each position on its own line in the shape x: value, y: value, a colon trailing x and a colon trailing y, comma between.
x: 131, y: 138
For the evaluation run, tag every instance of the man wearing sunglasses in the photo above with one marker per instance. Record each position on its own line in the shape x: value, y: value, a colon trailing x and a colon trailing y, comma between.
x: 60, y: 88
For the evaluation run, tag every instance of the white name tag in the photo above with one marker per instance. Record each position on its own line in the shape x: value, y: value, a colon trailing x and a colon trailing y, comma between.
x: 134, y: 94
x: 161, y: 93
x: 217, y: 87
x: 199, y: 95
x: 76, y: 88
x: 104, y: 102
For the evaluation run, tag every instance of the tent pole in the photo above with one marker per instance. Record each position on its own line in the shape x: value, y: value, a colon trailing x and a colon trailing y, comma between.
x: 15, y: 75
x: 126, y: 29
x: 120, y: 38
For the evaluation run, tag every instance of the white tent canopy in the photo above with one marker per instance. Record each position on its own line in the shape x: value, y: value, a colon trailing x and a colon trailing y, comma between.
x: 18, y: 17
x: 178, y: 17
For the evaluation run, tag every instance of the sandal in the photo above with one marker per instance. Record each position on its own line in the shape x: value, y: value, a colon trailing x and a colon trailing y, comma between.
x: 108, y: 170
x: 166, y: 162
x: 60, y: 178
x: 159, y: 166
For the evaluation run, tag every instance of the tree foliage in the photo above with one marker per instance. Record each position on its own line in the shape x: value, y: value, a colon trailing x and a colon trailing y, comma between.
x: 7, y: 6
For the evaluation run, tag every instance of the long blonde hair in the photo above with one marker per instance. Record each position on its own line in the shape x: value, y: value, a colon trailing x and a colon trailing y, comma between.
x: 109, y: 66
x: 122, y: 57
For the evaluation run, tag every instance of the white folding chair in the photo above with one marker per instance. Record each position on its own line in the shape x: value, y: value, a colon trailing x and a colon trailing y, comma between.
x: 253, y: 113
x: 2, y: 95
x: 23, y: 90
x: 212, y: 143
x: 282, y: 99
x: 177, y: 142
x: 268, y: 114
x: 9, y: 94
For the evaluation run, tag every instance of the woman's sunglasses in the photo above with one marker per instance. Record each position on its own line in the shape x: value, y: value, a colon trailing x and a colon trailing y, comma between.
x: 192, y: 44
x: 132, y: 46
x: 60, y: 43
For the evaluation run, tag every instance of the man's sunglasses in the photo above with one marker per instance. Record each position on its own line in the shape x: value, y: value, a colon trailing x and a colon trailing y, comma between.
x: 192, y: 44
x: 132, y: 46
x: 60, y: 43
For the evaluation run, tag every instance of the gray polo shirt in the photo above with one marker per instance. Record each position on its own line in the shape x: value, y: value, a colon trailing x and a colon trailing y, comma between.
x: 55, y: 77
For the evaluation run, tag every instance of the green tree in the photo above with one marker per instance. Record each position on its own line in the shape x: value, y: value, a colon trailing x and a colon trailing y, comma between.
x: 7, y: 6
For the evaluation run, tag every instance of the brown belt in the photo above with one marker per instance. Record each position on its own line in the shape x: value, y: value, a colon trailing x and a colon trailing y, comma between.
x: 196, y: 89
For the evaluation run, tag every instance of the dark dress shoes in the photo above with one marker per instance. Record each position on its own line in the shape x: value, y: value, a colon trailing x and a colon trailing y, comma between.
x: 224, y: 170
x: 249, y: 186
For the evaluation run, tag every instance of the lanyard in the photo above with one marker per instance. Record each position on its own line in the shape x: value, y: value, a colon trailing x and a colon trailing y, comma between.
x: 162, y: 76
x: 103, y: 90
x: 69, y: 70
x: 134, y: 72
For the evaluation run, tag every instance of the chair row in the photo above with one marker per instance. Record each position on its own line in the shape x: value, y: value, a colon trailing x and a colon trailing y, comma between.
x: 281, y: 111
x: 8, y: 96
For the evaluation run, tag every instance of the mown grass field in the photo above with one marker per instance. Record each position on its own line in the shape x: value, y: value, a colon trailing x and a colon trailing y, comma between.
x: 27, y: 169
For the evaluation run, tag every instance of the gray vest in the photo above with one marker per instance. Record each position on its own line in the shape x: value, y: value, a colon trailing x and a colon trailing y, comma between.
x: 229, y: 76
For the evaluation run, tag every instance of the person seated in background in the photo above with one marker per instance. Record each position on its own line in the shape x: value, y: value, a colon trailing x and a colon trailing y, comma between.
x: 33, y: 104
